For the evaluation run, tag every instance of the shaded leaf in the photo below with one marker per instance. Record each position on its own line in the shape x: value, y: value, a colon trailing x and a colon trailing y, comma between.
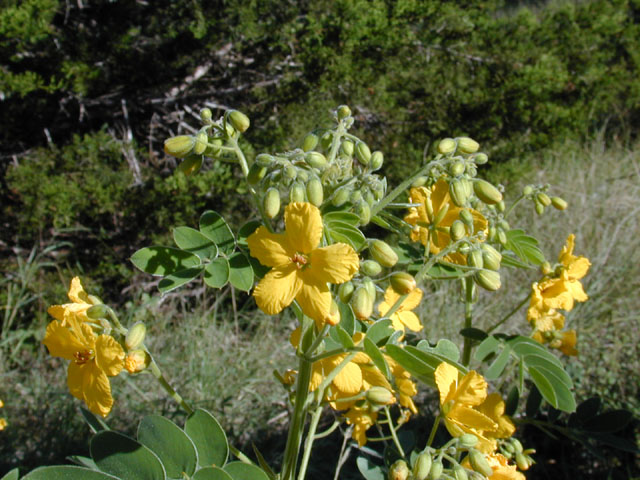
x: 211, y: 473
x: 369, y: 470
x: 376, y: 356
x: 191, y: 240
x: 216, y: 273
x: 244, y: 471
x: 123, y: 457
x: 240, y: 272
x: 214, y: 227
x: 66, y: 472
x: 177, y: 279
x: 161, y: 261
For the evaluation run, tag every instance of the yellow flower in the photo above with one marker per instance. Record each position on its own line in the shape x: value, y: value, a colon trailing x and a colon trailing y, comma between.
x: 493, y: 407
x: 501, y: 468
x: 434, y: 203
x: 362, y: 418
x: 563, y: 341
x: 77, y: 309
x: 3, y: 421
x: 403, y: 316
x: 405, y: 387
x: 300, y: 270
x: 93, y: 360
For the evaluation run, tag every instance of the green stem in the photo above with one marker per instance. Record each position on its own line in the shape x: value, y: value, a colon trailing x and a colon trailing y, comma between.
x: 328, y: 431
x: 239, y: 455
x: 392, y: 429
x: 398, y: 190
x: 312, y: 348
x: 432, y: 435
x: 510, y: 314
x: 155, y: 370
x: 308, y: 444
x: 468, y: 311
x: 513, y: 205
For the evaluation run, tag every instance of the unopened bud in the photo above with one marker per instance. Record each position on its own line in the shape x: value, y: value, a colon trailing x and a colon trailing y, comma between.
x: 403, y: 282
x: 487, y: 192
x: 370, y: 268
x: 467, y: 145
x: 179, y: 146
x: 516, y: 445
x: 501, y: 206
x: 97, y: 311
x: 528, y: 190
x: 457, y: 230
x: 136, y: 361
x: 399, y: 470
x: 334, y: 314
x: 422, y: 467
x: 206, y: 115
x: 460, y: 473
x: 474, y: 259
x: 264, y: 159
x: 380, y: 396
x: 419, y: 182
x: 343, y: 112
x: 383, y: 253
x: 479, y: 463
x: 488, y: 279
x: 363, y: 154
x: 458, y: 192
x: 340, y: 196
x: 446, y: 146
x: 377, y: 159
x: 466, y: 217
x: 559, y: 203
x: 362, y: 303
x: 491, y: 257
x: 468, y: 440
x: 522, y: 462
x: 480, y: 158
x: 315, y: 193
x: 345, y: 291
x: 238, y: 120
x: 271, y: 203
x: 347, y: 147
x: 436, y: 470
x: 502, y: 236
x: 135, y: 336
x: 316, y: 160
x: 543, y: 198
x: 201, y: 143
x: 256, y: 173
x: 310, y: 142
x: 363, y: 210
x: 297, y: 193
x: 539, y: 208
x: 326, y: 140
x: 456, y: 168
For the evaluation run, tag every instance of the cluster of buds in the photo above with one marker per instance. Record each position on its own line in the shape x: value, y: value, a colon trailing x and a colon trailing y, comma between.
x: 512, y: 449
x: 541, y: 200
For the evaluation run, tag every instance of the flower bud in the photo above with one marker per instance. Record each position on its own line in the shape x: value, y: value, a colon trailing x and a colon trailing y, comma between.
x: 528, y: 190
x: 370, y: 268
x: 310, y: 142
x: 559, y: 203
x: 487, y: 192
x: 238, y: 120
x: 340, y: 196
x: 456, y: 168
x: 135, y: 336
x: 345, y: 291
x: 460, y: 473
x: 264, y: 159
x: 362, y: 303
x: 458, y: 192
x: 347, y: 147
x: 543, y: 198
x: 479, y: 463
x: 502, y: 236
x: 436, y: 470
x: 466, y: 217
x: 377, y: 159
x: 368, y: 196
x: 419, y: 182
x: 422, y: 467
x: 316, y: 160
x: 446, y: 146
x: 326, y: 140
x: 383, y: 253
x: 206, y: 115
x: 343, y: 112
x: 467, y: 145
x: 297, y: 193
x: 403, y: 282
x: 399, y: 470
x: 334, y: 314
x: 201, y: 143
x: 474, y: 259
x: 355, y: 197
x: 271, y: 203
x: 380, y: 396
x: 457, y: 230
x: 136, y: 361
x: 256, y: 173
x: 179, y: 146
x: 491, y: 257
x: 487, y: 279
x: 363, y: 154
x: 97, y: 311
x: 545, y: 268
x: 539, y: 207
x: 468, y: 440
x: 363, y: 210
x: 303, y: 175
x: 315, y: 193
x: 501, y: 206
x: 480, y: 158
x: 522, y: 462
x: 516, y: 444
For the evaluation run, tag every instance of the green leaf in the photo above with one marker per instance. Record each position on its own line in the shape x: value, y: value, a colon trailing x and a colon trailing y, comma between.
x: 447, y: 349
x: 161, y: 261
x: 177, y: 279
x: 211, y: 473
x: 588, y: 409
x: 380, y: 331
x: 214, y: 227
x: 193, y: 241
x: 340, y: 217
x: 474, y: 334
x: 415, y: 366
x: 11, y: 475
x: 340, y: 335
x: 609, y: 422
x: 123, y: 457
x: 65, y: 472
x: 244, y: 471
x: 369, y: 470
x: 240, y: 272
x: 347, y: 318
x: 498, y: 364
x: 434, y: 358
x: 174, y: 448
x: 444, y: 272
x: 216, y: 273
x: 511, y: 403
x: 83, y: 461
x: 208, y: 437
x: 511, y: 261
x: 488, y: 346
x: 246, y: 230
x: 541, y: 361
x: 534, y: 400
x: 376, y: 356
x: 523, y: 346
x: 95, y: 423
x: 343, y: 232
x: 524, y: 246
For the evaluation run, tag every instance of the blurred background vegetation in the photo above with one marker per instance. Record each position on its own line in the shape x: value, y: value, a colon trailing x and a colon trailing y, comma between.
x: 89, y: 89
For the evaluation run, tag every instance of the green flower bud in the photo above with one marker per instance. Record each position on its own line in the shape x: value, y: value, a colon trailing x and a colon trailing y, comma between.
x: 504, y: 225
x: 458, y: 192
x: 491, y: 257
x: 340, y: 196
x: 460, y: 473
x: 468, y: 440
x: 191, y: 164
x: 98, y: 311
x: 290, y: 172
x: 303, y: 175
x: 420, y: 182
x: 522, y: 462
x: 456, y: 168
x: 399, y: 470
x: 436, y: 470
x: 474, y: 259
x: 370, y: 268
x: 179, y: 146
x: 201, y: 143
x: 345, y: 291
x: 355, y: 197
x: 471, y: 170
x: 480, y: 158
x: 487, y: 192
x: 256, y: 173
x: 545, y: 268
x: 543, y: 198
x: 238, y: 120
x: 403, y: 282
x: 347, y: 147
x: 422, y: 467
x: 467, y: 145
x: 310, y: 142
x: 206, y: 115
x: 271, y: 203
x: 362, y: 303
x: 135, y: 336
x: 363, y: 154
x: 466, y: 217
x: 368, y: 196
x: 502, y: 236
x: 316, y: 160
x: 376, y: 160
x: 297, y: 192
x: 501, y: 206
x: 343, y: 112
x: 539, y: 208
x: 326, y: 140
x: 446, y: 146
x: 264, y: 159
x: 479, y: 463
x: 370, y: 286
x: 136, y: 361
x: 528, y: 190
x: 363, y: 210
x: 487, y: 279
x: 559, y: 203
x: 315, y: 193
x: 380, y: 396
x: 457, y: 230
x: 383, y: 253
x: 516, y: 445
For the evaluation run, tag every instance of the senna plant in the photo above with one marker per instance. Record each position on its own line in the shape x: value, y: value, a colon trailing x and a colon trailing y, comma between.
x: 309, y: 251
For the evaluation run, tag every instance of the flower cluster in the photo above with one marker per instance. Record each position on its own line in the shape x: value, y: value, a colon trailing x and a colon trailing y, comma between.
x: 559, y: 291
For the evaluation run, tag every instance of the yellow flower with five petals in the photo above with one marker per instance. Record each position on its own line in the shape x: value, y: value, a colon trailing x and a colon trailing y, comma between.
x: 300, y: 269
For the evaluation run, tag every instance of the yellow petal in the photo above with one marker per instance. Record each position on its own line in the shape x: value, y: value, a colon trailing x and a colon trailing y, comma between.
x: 76, y: 292
x: 334, y: 264
x: 109, y: 355
x: 469, y: 417
x: 271, y: 249
x: 409, y: 320
x: 61, y: 342
x: 372, y: 377
x: 578, y: 268
x: 577, y: 292
x: 440, y: 196
x: 446, y: 377
x: 413, y: 299
x: 277, y: 289
x: 303, y: 224
x: 74, y: 380
x: 349, y: 380
x: 315, y: 301
x: 493, y: 407
x: 57, y: 311
x: 569, y: 340
x: 472, y: 389
x: 96, y: 389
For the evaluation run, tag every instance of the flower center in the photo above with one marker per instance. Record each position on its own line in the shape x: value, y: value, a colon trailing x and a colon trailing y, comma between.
x: 300, y: 260
x: 84, y: 357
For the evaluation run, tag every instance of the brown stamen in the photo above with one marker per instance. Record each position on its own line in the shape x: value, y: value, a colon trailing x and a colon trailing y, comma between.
x: 300, y: 260
x: 83, y: 357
